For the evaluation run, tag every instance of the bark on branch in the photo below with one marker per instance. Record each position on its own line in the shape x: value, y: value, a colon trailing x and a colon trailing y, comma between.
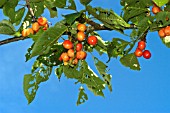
x: 13, y: 39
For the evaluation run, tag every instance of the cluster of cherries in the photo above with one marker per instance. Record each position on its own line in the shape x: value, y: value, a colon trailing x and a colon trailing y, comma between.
x: 140, y: 50
x: 41, y: 23
x: 74, y: 49
x: 163, y: 32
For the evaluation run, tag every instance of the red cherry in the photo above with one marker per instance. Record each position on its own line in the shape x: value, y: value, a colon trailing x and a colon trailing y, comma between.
x: 92, y: 40
x: 79, y: 46
x: 141, y: 45
x: 156, y: 9
x: 81, y: 55
x: 138, y: 52
x: 146, y: 54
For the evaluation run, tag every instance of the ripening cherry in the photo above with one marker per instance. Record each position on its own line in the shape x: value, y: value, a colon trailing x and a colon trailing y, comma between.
x: 42, y: 21
x: 81, y: 27
x: 138, y: 52
x: 81, y: 55
x: 167, y: 30
x: 162, y: 32
x: 65, y: 57
x: 45, y: 27
x: 70, y: 53
x: 155, y: 9
x: 79, y: 46
x: 146, y: 54
x: 141, y: 45
x: 26, y: 32
x: 80, y: 36
x: 67, y: 44
x: 35, y: 26
x: 30, y: 31
x: 92, y: 40
x: 75, y: 61
x: 60, y: 58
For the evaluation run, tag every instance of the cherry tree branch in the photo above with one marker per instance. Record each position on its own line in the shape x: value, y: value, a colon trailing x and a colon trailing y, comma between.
x: 13, y: 39
x: 96, y: 27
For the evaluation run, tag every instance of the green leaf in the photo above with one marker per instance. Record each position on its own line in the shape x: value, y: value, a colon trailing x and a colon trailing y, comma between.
x: 48, y: 38
x: 10, y: 6
x: 52, y: 58
x: 31, y: 81
x: 59, y: 71
x: 28, y: 54
x: 71, y: 72
x: 134, y: 10
x: 117, y: 47
x: 60, y: 3
x: 85, y: 75
x: 101, y: 46
x: 6, y: 28
x: 101, y: 67
x: 161, y: 19
x: 2, y: 3
x: 85, y: 2
x: 53, y: 12
x: 38, y: 8
x: 160, y: 2
x: 109, y: 18
x: 18, y: 15
x: 52, y: 9
x: 34, y: 1
x: 93, y: 82
x: 82, y: 97
x: 130, y: 61
x: 70, y: 18
x: 72, y: 5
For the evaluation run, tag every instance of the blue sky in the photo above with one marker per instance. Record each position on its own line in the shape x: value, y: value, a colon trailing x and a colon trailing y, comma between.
x: 145, y: 91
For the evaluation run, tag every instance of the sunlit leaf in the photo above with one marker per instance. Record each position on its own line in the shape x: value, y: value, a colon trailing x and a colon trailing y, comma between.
x: 160, y: 2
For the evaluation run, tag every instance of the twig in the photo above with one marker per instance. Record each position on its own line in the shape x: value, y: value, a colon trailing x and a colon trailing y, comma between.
x: 30, y: 9
x: 13, y: 39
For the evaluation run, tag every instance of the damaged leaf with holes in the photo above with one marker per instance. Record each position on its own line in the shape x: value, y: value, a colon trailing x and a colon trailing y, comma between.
x: 93, y: 81
x: 108, y: 17
x: 117, y: 47
x: 40, y: 73
x: 102, y: 69
x: 82, y: 97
